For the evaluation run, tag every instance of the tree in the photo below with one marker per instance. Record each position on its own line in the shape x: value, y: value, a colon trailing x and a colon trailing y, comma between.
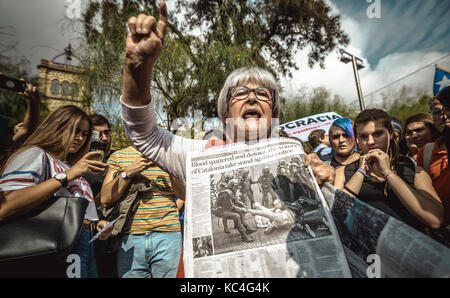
x: 313, y: 102
x: 405, y: 102
x: 192, y: 69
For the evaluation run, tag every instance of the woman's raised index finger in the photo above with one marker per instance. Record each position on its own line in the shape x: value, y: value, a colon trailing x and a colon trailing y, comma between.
x: 162, y: 22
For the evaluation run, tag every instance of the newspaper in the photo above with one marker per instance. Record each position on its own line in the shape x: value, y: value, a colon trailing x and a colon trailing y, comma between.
x: 378, y: 245
x: 255, y: 211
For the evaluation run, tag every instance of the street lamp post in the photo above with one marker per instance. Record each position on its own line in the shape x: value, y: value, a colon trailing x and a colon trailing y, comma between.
x: 357, y: 64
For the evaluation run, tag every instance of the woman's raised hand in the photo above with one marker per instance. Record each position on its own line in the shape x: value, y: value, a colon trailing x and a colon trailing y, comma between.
x: 145, y: 39
x: 85, y: 166
x: 378, y: 162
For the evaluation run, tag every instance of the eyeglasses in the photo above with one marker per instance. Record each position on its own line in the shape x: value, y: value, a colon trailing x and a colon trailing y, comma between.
x: 264, y: 94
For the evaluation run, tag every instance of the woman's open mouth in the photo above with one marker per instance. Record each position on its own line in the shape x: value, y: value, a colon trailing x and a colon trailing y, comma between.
x: 251, y: 114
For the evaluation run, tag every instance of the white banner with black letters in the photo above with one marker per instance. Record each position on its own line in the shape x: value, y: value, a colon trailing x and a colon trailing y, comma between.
x: 301, y: 128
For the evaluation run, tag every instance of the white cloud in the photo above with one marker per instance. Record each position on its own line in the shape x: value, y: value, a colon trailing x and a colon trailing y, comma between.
x: 339, y: 79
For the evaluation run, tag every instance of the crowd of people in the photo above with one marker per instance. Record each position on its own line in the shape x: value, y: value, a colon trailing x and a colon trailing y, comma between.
x: 145, y: 183
x: 404, y: 177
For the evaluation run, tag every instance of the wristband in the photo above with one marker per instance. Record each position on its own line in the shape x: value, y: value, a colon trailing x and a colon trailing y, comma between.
x: 388, y: 174
x: 362, y: 171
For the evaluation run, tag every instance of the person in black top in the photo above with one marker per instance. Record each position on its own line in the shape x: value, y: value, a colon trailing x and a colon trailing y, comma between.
x: 391, y: 184
x: 343, y: 142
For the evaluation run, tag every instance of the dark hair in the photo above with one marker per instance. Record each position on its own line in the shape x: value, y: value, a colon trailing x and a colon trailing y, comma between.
x: 377, y: 115
x: 315, y: 136
x: 427, y: 120
x: 98, y: 119
x: 444, y: 96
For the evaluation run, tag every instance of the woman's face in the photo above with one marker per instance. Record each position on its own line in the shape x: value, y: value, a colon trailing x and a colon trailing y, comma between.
x: 251, y: 117
x: 373, y: 135
x: 80, y: 137
x: 341, y: 142
x: 418, y: 134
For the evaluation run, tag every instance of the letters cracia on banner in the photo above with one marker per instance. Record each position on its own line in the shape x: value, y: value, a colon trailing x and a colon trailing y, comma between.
x: 301, y: 128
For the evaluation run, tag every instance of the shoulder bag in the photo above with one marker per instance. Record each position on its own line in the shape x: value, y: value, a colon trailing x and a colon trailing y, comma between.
x: 37, y: 244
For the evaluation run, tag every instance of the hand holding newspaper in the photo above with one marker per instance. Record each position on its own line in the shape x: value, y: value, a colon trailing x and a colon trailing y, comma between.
x: 104, y: 229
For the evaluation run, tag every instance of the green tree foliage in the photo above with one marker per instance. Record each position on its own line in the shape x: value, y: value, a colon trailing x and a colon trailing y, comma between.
x: 401, y: 104
x: 12, y: 105
x: 405, y: 103
x: 206, y: 41
x: 311, y: 102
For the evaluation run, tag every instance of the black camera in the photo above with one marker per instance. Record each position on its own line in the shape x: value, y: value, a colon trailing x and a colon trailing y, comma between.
x: 12, y: 84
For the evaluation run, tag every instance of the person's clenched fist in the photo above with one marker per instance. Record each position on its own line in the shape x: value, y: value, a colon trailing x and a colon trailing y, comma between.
x: 145, y: 39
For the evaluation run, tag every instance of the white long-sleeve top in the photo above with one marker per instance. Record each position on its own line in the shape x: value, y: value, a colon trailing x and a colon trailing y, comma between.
x: 167, y: 150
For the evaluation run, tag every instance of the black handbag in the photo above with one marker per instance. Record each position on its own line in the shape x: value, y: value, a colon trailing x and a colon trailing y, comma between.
x: 37, y: 244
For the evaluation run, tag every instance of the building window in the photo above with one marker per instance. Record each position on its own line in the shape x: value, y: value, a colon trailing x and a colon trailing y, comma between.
x: 65, y: 87
x: 74, y: 90
x: 55, y: 87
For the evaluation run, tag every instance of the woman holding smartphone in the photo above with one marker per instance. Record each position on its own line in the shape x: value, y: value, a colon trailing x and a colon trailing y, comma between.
x: 60, y: 144
x: 385, y: 181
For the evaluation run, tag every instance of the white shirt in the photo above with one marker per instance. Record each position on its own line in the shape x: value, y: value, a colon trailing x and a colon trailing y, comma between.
x: 28, y: 168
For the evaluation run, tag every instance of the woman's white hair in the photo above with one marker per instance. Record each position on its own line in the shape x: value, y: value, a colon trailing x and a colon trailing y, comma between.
x: 245, y: 75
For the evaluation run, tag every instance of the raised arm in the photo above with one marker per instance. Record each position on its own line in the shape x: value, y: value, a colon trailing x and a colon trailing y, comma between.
x: 31, y: 119
x: 144, y: 44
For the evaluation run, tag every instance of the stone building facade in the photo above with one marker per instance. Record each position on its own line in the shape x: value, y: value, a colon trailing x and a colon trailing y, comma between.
x: 62, y: 84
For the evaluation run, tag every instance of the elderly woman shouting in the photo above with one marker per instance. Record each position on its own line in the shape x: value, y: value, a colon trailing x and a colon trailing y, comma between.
x: 247, y: 103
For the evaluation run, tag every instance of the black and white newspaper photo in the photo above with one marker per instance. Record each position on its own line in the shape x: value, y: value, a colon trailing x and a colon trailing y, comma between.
x: 379, y: 245
x: 257, y: 211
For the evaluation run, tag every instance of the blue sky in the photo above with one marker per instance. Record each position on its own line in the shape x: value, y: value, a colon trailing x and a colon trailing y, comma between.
x: 409, y: 35
x: 404, y: 26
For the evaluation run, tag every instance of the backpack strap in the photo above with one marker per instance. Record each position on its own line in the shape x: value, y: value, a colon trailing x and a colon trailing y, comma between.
x: 320, y: 150
x: 427, y: 152
x: 48, y: 170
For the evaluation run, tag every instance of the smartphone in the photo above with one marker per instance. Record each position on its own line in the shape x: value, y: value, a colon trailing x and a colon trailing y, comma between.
x: 12, y: 84
x: 96, y: 145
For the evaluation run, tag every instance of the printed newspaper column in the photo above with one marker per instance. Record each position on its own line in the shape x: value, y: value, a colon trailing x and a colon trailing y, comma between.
x: 256, y: 211
x: 399, y: 249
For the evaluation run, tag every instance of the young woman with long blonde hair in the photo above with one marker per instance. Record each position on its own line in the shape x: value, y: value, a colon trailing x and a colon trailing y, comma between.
x: 60, y: 143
